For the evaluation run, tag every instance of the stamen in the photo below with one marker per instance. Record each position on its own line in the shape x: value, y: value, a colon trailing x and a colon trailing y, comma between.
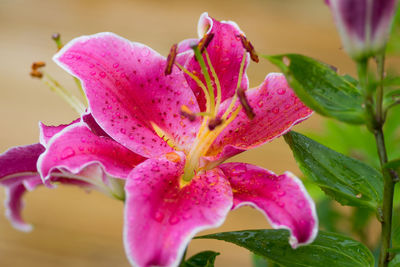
x: 214, y: 123
x: 245, y: 103
x: 171, y: 59
x: 35, y: 73
x: 206, y: 75
x: 163, y: 135
x: 74, y: 102
x: 186, y: 112
x: 205, y: 41
x: 215, y: 76
x: 57, y: 39
x: 249, y: 47
x: 198, y: 82
x: 239, y: 82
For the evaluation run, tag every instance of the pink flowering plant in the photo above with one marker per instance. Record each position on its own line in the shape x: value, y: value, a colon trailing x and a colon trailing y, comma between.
x: 156, y: 132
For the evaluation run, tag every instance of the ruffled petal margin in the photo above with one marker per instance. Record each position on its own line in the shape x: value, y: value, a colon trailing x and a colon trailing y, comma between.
x: 161, y: 217
x: 281, y: 198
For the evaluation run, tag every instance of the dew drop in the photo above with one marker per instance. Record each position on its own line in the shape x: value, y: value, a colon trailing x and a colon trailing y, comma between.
x: 281, y: 91
x: 281, y: 193
x: 260, y: 103
x: 81, y: 148
x: 83, y: 140
x: 92, y: 73
x: 131, y: 136
x: 67, y: 153
x: 301, y: 204
x: 91, y: 65
x: 115, y: 65
x: 102, y: 74
x: 123, y: 130
x: 281, y: 204
x: 173, y: 220
x: 275, y: 110
x: 159, y: 216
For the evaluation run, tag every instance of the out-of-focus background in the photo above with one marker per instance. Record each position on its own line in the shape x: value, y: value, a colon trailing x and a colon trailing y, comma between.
x: 72, y: 227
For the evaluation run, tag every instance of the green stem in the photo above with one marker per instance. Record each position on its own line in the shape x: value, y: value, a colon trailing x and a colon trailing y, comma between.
x: 388, y: 176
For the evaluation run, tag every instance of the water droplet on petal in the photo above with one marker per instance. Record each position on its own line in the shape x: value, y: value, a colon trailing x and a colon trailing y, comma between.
x: 281, y: 91
x: 281, y: 193
x: 275, y: 110
x: 173, y: 220
x: 301, y: 204
x: 92, y: 73
x: 123, y: 130
x: 115, y: 65
x: 83, y: 140
x: 91, y: 65
x: 102, y: 74
x: 281, y: 204
x: 260, y: 104
x: 159, y: 216
x: 67, y: 153
x: 131, y: 136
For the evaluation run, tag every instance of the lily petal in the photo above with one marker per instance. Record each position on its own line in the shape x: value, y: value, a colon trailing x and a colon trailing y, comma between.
x: 277, y: 109
x: 19, y: 162
x: 18, y: 165
x: 161, y: 217
x: 76, y: 147
x: 282, y: 199
x: 226, y: 52
x: 46, y: 132
x: 128, y: 92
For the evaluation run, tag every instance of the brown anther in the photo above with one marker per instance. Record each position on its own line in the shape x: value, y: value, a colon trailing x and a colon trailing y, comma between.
x: 35, y: 69
x: 36, y: 74
x: 171, y: 59
x: 214, y: 123
x: 249, y: 48
x: 38, y: 64
x: 205, y: 41
x: 187, y: 113
x: 245, y: 104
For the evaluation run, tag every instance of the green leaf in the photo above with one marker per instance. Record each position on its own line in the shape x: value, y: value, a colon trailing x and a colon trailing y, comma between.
x: 328, y: 249
x: 395, y: 262
x: 321, y: 88
x: 347, y: 180
x: 394, y: 164
x: 202, y: 259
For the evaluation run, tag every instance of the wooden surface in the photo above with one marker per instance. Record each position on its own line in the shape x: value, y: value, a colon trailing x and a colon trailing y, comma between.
x: 73, y: 228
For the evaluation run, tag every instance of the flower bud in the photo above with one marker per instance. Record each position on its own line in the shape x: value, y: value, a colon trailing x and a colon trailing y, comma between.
x: 364, y: 25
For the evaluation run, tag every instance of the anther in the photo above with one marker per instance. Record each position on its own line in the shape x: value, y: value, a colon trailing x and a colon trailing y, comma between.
x: 35, y: 69
x: 245, y: 104
x: 57, y: 39
x: 249, y: 47
x: 205, y: 41
x: 187, y: 113
x: 171, y: 59
x: 214, y: 123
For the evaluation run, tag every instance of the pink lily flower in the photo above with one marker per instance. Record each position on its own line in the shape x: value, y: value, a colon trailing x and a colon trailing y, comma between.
x: 166, y: 126
x: 363, y: 25
x: 19, y: 174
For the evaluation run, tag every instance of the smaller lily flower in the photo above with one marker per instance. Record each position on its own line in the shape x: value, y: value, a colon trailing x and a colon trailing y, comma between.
x: 19, y: 174
x: 169, y: 124
x: 364, y: 25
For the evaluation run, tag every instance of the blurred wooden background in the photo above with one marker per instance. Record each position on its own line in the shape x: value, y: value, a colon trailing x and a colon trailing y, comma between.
x: 73, y: 228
